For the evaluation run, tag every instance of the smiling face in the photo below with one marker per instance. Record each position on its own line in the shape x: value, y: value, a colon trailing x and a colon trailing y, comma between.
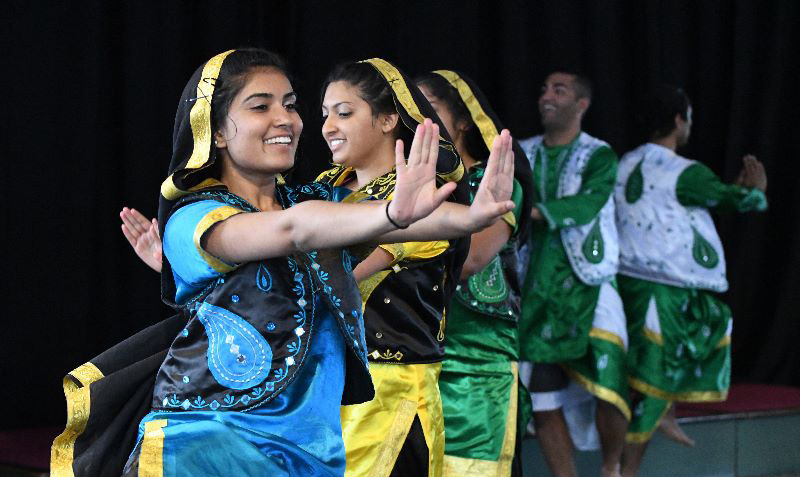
x: 559, y: 102
x: 351, y: 130
x: 260, y: 133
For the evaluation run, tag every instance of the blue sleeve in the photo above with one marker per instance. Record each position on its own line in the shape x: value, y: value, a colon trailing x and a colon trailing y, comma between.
x: 193, y: 267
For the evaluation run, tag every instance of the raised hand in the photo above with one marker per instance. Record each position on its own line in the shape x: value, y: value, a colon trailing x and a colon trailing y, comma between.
x: 492, y: 199
x: 753, y: 173
x: 143, y: 236
x: 415, y: 192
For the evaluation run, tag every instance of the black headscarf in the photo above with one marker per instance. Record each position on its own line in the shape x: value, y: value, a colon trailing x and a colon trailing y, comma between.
x: 413, y: 108
x: 489, y: 125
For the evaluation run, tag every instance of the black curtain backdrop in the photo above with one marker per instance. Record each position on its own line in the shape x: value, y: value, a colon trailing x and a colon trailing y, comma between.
x: 91, y: 87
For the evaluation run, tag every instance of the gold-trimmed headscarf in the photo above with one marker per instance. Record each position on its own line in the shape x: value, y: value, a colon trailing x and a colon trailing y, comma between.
x: 413, y: 108
x: 489, y: 126
x: 192, y: 167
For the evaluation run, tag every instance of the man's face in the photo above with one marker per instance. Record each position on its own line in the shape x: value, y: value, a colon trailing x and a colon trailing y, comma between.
x: 559, y: 104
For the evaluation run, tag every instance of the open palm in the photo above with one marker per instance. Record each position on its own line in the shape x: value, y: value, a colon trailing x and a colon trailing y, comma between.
x: 415, y: 192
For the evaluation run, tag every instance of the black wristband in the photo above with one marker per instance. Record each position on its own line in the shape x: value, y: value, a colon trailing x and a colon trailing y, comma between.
x: 392, y: 221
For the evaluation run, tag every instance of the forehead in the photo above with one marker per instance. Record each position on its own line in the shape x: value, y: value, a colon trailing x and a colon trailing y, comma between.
x: 564, y: 79
x: 266, y: 80
x: 341, y: 91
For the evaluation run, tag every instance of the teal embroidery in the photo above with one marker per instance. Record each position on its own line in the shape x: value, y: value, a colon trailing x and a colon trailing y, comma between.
x: 238, y: 356
x: 263, y: 278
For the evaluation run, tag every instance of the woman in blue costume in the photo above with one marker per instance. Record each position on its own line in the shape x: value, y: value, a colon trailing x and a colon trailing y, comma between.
x: 270, y: 339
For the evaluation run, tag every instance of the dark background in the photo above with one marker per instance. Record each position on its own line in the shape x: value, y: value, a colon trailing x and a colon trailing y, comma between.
x: 91, y: 87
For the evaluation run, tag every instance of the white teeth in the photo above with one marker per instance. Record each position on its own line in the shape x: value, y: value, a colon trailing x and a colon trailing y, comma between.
x: 279, y: 140
x: 336, y: 142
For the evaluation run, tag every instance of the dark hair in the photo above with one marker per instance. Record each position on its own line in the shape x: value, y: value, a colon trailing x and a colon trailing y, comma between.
x: 657, y: 117
x: 371, y: 85
x: 448, y: 95
x: 583, y: 85
x: 236, y: 68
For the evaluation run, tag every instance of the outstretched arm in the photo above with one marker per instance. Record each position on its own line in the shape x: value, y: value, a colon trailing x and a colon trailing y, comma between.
x: 316, y: 224
x: 698, y: 186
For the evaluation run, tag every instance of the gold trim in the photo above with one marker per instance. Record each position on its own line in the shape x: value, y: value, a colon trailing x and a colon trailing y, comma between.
x: 390, y: 448
x: 653, y: 336
x: 479, y: 117
x: 510, y: 219
x: 200, y: 120
x: 369, y: 284
x: 442, y: 325
x: 466, y: 467
x: 76, y: 390
x: 211, y: 218
x: 387, y: 355
x: 455, y: 175
x: 398, y: 85
x: 151, y: 459
x: 602, y: 392
x: 403, y: 95
x: 606, y: 336
x: 686, y: 396
x: 642, y: 437
x: 725, y: 341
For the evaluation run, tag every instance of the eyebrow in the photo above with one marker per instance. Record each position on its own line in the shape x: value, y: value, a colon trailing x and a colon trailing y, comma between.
x: 338, y: 104
x: 291, y: 94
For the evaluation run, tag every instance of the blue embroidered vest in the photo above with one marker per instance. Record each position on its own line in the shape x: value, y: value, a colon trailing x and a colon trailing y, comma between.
x: 249, y: 331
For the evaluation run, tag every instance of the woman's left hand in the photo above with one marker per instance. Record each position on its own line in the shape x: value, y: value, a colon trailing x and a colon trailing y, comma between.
x: 415, y: 192
x: 492, y: 199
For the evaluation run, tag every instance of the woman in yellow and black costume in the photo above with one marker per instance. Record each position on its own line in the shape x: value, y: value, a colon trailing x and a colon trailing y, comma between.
x: 479, y: 380
x: 248, y: 379
x: 405, y: 287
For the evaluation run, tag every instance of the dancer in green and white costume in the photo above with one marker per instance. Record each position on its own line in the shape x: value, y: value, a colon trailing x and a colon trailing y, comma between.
x: 672, y: 268
x: 572, y: 326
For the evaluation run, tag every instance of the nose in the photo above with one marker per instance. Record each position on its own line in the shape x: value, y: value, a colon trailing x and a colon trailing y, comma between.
x: 282, y: 117
x: 329, y: 126
x: 547, y: 93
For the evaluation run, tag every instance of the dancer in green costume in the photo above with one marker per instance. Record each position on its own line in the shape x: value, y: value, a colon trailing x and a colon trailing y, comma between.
x: 479, y: 378
x: 572, y: 329
x: 672, y: 268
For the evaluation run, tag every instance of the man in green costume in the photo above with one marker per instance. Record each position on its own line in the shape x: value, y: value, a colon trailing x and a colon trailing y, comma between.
x: 572, y: 330
x: 672, y: 268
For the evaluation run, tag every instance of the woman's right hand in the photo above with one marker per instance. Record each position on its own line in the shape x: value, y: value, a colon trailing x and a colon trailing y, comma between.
x: 415, y: 193
x: 142, y: 234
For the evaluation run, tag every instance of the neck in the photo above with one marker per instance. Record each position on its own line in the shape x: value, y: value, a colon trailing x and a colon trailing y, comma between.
x: 561, y: 136
x: 461, y: 148
x: 375, y: 166
x: 669, y: 141
x: 258, y: 190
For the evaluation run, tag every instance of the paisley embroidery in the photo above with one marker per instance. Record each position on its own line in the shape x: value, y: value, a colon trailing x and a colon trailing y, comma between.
x: 489, y: 285
x: 635, y: 184
x: 263, y: 278
x: 593, y: 246
x: 238, y: 356
x: 703, y: 252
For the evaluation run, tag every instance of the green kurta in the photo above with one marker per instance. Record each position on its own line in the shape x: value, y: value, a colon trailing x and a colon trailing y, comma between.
x: 557, y: 308
x: 478, y: 381
x: 689, y: 360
